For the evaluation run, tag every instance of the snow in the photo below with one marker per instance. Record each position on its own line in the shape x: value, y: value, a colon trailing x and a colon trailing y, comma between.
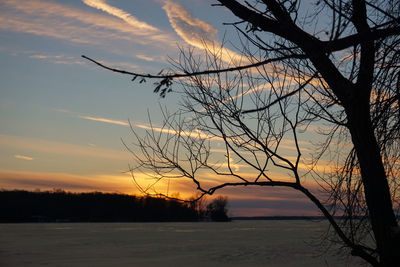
x: 237, y: 243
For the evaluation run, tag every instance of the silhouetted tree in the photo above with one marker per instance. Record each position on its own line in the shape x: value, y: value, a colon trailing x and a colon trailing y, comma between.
x: 198, y: 203
x: 217, y: 209
x: 332, y: 65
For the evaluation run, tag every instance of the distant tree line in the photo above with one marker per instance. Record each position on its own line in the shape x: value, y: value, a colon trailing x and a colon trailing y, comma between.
x: 61, y: 206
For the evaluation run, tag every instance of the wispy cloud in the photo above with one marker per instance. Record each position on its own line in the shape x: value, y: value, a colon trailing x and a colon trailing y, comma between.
x: 46, y: 56
x: 121, y: 64
x: 262, y: 87
x: 66, y: 22
x: 197, y: 32
x: 59, y: 59
x: 128, y: 18
x: 117, y: 122
x: 193, y: 30
x: 55, y: 20
x: 77, y: 25
x: 192, y: 134
x: 93, y: 118
x: 63, y: 110
x: 144, y: 57
x: 23, y: 157
x: 59, y: 148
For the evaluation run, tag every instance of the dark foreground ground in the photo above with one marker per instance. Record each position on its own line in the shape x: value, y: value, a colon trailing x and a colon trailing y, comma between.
x: 237, y: 243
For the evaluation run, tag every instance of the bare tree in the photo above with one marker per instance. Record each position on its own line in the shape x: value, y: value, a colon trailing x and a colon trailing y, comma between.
x: 334, y: 67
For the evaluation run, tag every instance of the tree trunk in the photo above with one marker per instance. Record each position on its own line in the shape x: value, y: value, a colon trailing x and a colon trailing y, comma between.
x: 376, y: 188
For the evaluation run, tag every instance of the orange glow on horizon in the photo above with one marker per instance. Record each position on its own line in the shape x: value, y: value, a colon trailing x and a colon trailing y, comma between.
x: 253, y: 197
x: 120, y: 183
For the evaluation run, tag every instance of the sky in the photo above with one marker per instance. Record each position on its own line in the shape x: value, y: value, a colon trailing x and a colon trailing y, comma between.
x: 63, y: 118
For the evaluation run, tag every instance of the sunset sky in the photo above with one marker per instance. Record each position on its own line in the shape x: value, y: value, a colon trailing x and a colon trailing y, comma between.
x: 62, y: 118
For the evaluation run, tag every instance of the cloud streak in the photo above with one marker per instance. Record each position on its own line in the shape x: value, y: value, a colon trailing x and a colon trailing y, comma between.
x: 193, y: 30
x: 116, y: 122
x: 128, y: 18
x: 59, y: 59
x: 59, y: 148
x: 197, y: 33
x: 23, y: 157
x: 192, y: 134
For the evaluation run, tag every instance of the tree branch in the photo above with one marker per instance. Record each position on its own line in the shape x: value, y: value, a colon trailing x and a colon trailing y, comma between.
x: 356, y: 39
x: 191, y: 74
x: 279, y: 99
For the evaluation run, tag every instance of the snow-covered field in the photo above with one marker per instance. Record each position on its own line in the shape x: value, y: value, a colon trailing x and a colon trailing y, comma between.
x: 237, y: 243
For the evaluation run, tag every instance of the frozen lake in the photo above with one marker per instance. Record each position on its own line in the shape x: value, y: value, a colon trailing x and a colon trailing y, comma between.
x: 237, y: 243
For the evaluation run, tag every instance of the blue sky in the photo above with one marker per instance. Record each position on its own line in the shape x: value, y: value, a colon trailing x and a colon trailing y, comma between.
x: 62, y: 118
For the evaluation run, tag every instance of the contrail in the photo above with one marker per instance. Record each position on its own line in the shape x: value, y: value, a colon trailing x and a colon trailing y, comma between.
x: 128, y: 18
